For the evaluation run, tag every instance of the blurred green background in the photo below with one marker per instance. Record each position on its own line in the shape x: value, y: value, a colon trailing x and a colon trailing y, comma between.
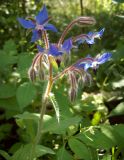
x: 101, y: 103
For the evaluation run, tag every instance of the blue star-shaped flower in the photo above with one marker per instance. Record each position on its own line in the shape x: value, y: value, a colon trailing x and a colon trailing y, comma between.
x: 89, y: 38
x: 89, y: 62
x: 55, y: 51
x: 84, y: 63
x: 38, y: 25
x: 64, y: 48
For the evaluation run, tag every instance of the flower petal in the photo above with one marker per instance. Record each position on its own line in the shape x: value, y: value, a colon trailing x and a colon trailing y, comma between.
x: 42, y: 16
x: 90, y: 34
x: 84, y: 65
x: 50, y: 27
x: 26, y: 23
x: 101, y: 32
x: 93, y: 35
x: 104, y: 57
x: 40, y: 49
x: 35, y: 36
x: 90, y: 41
x: 54, y: 51
x: 80, y: 41
x: 67, y: 45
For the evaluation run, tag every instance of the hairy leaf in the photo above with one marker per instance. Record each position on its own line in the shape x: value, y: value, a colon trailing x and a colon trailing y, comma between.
x: 25, y: 94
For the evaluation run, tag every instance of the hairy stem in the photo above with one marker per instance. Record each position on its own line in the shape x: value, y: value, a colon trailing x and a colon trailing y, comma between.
x: 79, y: 21
x: 46, y: 40
x: 81, y: 36
x: 42, y: 112
x: 44, y: 102
x: 72, y: 67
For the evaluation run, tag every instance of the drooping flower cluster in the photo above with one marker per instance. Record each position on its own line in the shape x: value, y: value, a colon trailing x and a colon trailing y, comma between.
x: 53, y: 53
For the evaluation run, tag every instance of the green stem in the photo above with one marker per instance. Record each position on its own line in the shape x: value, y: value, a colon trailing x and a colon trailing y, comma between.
x: 113, y: 153
x: 42, y: 112
x: 40, y: 123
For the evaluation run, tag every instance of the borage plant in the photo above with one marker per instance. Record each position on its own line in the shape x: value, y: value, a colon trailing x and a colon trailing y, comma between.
x: 53, y: 55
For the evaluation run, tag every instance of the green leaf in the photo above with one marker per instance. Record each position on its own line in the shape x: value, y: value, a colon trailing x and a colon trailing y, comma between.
x: 96, y: 139
x: 113, y: 134
x: 7, y: 90
x: 10, y: 106
x: 4, y: 154
x: 80, y: 149
x: 42, y: 150
x: 104, y: 137
x: 120, y: 129
x: 24, y: 63
x: 63, y: 101
x: 51, y: 125
x: 29, y: 122
x: 63, y: 154
x: 55, y: 105
x: 119, y: 110
x: 107, y: 157
x: 6, y: 61
x: 118, y: 84
x: 25, y: 152
x: 28, y: 115
x: 25, y: 94
x: 10, y: 47
x: 15, y: 147
x: 118, y: 1
x: 109, y: 132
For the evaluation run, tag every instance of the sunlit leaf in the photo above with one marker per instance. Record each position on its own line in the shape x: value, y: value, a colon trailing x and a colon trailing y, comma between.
x: 26, y: 93
x: 51, y: 125
x: 25, y: 152
x: 24, y: 63
x: 96, y: 139
x: 28, y: 115
x: 118, y: 110
x: 118, y: 1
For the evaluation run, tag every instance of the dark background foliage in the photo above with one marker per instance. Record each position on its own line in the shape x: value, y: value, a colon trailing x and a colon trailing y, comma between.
x: 89, y: 124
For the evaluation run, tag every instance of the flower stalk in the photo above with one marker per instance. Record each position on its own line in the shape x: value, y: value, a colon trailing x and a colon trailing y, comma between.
x: 42, y: 112
x: 78, y: 21
x: 44, y: 104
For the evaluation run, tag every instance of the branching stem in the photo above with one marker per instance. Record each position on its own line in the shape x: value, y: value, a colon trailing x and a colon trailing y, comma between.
x: 79, y: 21
x: 42, y: 111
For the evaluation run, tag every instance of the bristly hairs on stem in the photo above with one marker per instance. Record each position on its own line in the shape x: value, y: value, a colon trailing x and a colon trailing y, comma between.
x: 32, y: 72
x: 79, y: 21
x: 46, y: 39
x: 74, y: 39
x: 72, y: 67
